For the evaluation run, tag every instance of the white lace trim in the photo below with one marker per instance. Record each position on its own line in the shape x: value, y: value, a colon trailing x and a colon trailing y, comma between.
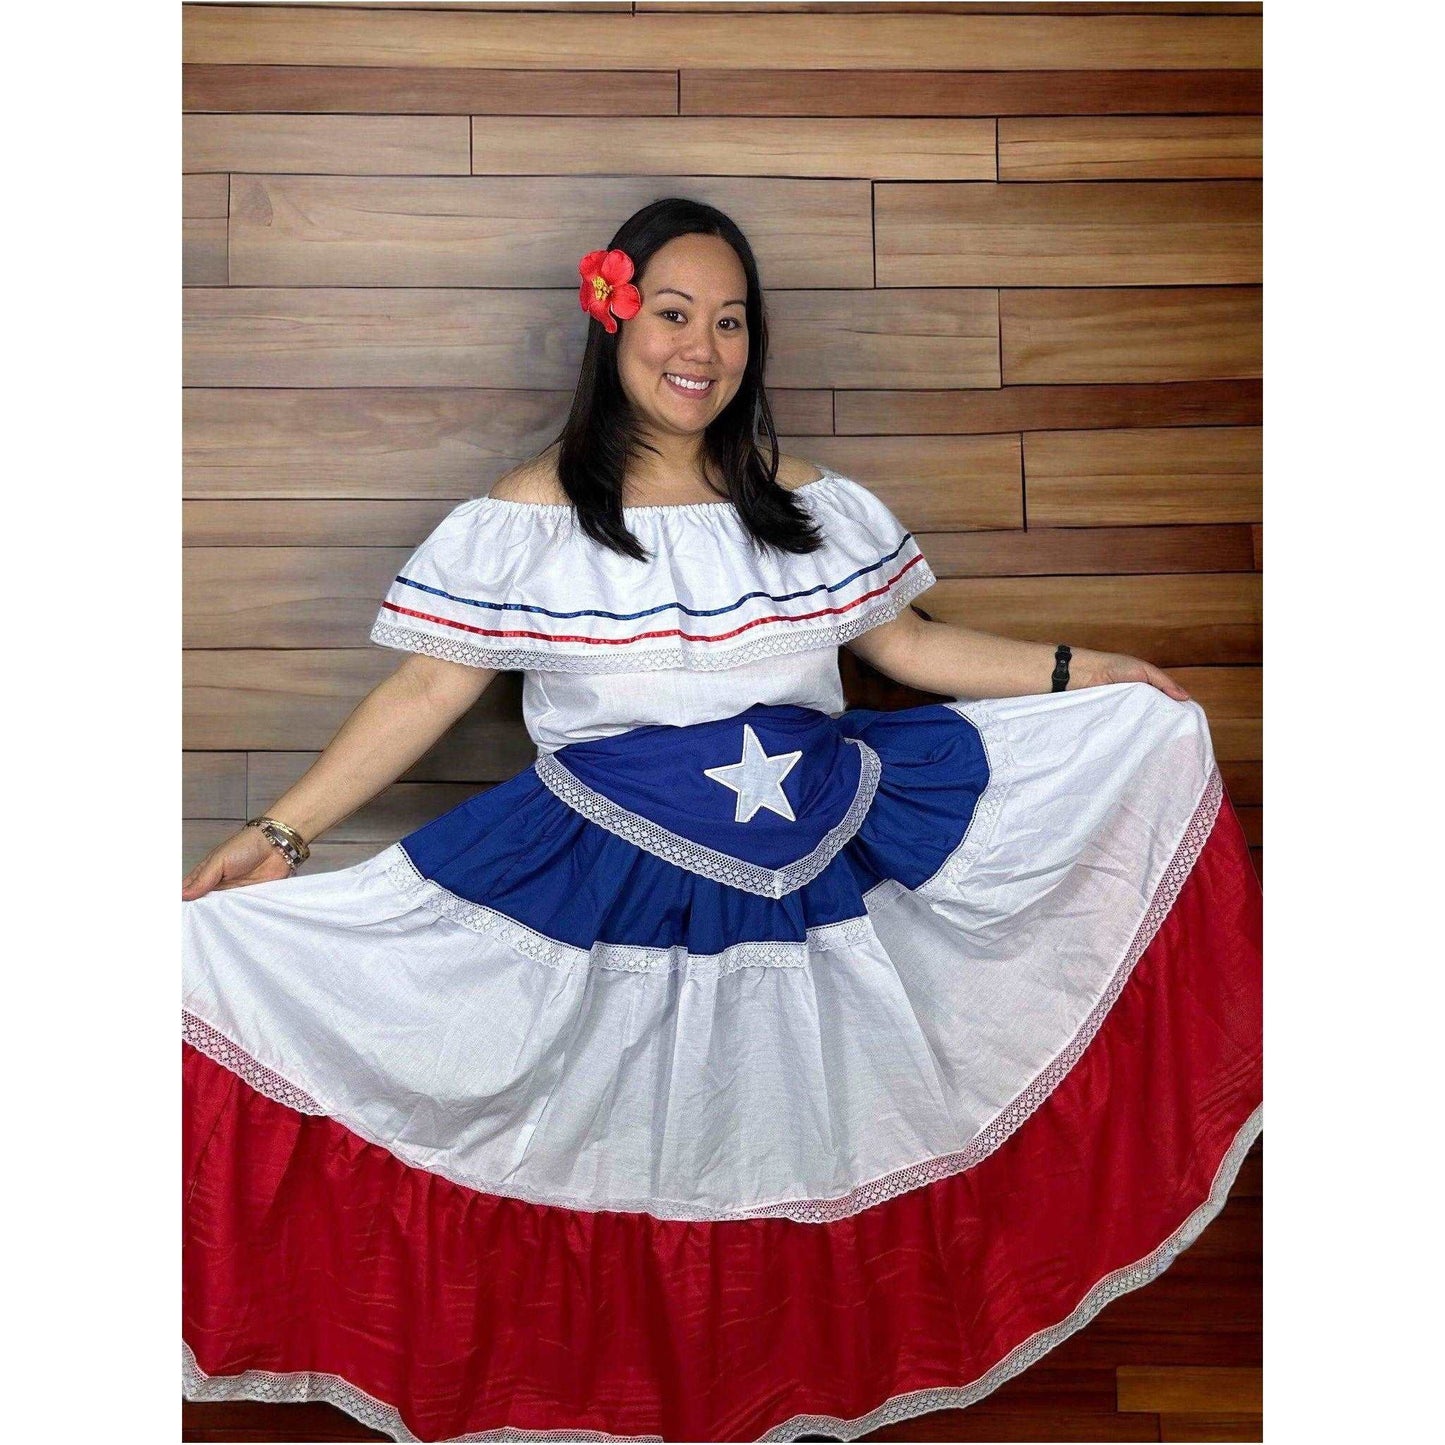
x: 298, y: 1387
x: 1018, y: 1109
x: 708, y: 862
x: 864, y: 1196
x: 216, y: 1046
x: 695, y: 657
x: 301, y: 1386
x: 402, y: 873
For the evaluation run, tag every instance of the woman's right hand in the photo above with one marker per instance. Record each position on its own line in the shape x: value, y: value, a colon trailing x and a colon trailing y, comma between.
x: 245, y: 857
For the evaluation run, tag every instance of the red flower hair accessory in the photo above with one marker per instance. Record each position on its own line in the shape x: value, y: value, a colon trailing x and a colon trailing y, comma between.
x: 606, y: 287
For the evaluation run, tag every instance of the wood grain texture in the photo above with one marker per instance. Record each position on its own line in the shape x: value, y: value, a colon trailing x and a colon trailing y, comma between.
x: 921, y: 149
x: 961, y: 484
x: 213, y: 785
x: 381, y: 336
x: 508, y: 40
x: 911, y: 338
x: 1130, y: 334
x: 1047, y: 408
x: 970, y: 92
x: 395, y: 812
x: 203, y: 253
x: 1188, y: 1389
x: 1124, y: 147
x: 318, y: 523
x: 270, y: 700
x: 1069, y: 233
x: 384, y: 442
x: 425, y: 90
x: 385, y: 336
x: 341, y: 144
x: 1143, y: 475
x: 1102, y: 551
x: 1172, y: 621
x: 1244, y: 778
x: 284, y: 596
x: 1232, y: 699
x: 1211, y: 1427
x: 502, y: 231
x: 204, y: 197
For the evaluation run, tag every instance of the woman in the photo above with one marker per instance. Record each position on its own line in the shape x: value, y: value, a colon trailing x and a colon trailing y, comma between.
x: 747, y: 1067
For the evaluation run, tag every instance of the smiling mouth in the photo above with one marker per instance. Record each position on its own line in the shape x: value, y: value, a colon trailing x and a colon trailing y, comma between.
x: 680, y: 384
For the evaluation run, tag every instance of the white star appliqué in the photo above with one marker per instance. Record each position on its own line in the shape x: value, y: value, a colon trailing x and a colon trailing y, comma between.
x: 757, y: 779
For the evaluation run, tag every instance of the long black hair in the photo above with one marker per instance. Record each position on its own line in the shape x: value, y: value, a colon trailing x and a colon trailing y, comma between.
x: 601, y: 435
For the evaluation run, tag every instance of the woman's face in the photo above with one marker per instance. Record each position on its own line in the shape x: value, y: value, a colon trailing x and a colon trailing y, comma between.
x: 693, y: 325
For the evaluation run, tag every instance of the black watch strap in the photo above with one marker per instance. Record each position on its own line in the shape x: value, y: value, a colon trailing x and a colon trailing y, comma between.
x: 1061, y: 666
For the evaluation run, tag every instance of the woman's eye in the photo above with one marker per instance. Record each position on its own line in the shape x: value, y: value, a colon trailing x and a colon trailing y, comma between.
x: 736, y: 324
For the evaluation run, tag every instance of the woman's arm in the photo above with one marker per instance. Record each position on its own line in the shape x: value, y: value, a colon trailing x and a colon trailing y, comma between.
x: 392, y: 726
x: 959, y: 662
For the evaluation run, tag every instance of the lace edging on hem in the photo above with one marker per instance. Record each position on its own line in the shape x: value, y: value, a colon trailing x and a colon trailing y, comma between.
x: 296, y: 1387
x: 540, y: 659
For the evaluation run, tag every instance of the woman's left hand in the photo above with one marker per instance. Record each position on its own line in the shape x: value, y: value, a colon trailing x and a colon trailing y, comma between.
x: 1093, y: 669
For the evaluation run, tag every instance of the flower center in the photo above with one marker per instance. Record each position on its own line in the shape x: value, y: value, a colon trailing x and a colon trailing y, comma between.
x: 600, y: 289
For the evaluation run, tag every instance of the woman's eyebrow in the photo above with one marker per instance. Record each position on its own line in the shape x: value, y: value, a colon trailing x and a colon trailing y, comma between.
x: 686, y: 297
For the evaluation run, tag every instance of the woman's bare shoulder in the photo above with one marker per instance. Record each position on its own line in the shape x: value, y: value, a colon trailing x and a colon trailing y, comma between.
x: 534, y: 480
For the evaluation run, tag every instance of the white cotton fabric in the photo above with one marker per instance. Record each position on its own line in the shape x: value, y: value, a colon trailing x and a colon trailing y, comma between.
x: 570, y: 707
x: 504, y: 584
x: 687, y: 1089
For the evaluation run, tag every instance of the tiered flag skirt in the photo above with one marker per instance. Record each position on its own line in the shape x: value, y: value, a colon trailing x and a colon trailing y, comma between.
x: 775, y: 1075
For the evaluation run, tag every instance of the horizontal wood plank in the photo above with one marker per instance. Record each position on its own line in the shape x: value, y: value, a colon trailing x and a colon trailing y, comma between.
x: 1211, y: 1427
x: 284, y: 596
x: 1068, y: 233
x: 1244, y: 780
x: 1126, y: 147
x: 384, y: 336
x: 931, y: 483
x: 1182, y: 1389
x: 267, y: 700
x: 502, y: 231
x: 1233, y: 703
x: 406, y: 145
x: 314, y: 523
x: 203, y: 252
x: 1130, y: 334
x: 1143, y: 475
x: 398, y: 810
x: 339, y: 35
x: 213, y: 785
x: 1105, y: 551
x: 425, y: 90
x: 925, y: 338
x: 934, y: 7
x: 1049, y: 408
x: 912, y: 149
x: 384, y: 442
x: 205, y: 197
x: 380, y: 336
x: 970, y: 92
x: 1171, y: 621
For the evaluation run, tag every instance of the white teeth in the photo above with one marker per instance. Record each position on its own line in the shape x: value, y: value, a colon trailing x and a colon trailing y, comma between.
x: 690, y: 385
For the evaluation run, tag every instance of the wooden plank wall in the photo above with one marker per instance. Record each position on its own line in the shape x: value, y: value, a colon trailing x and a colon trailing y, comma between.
x: 1012, y: 256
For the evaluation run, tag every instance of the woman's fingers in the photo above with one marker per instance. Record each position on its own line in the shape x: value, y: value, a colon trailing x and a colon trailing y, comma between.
x: 202, y: 878
x: 1166, y: 684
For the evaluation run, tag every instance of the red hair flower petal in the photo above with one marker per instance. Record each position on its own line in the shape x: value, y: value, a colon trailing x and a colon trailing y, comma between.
x: 626, y: 301
x: 606, y: 291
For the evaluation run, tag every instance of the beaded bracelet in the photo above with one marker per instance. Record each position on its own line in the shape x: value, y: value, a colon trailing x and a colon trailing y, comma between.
x: 287, y: 841
x: 1061, y: 667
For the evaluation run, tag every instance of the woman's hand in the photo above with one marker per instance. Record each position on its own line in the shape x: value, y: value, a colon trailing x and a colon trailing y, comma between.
x: 245, y: 857
x: 1093, y: 669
